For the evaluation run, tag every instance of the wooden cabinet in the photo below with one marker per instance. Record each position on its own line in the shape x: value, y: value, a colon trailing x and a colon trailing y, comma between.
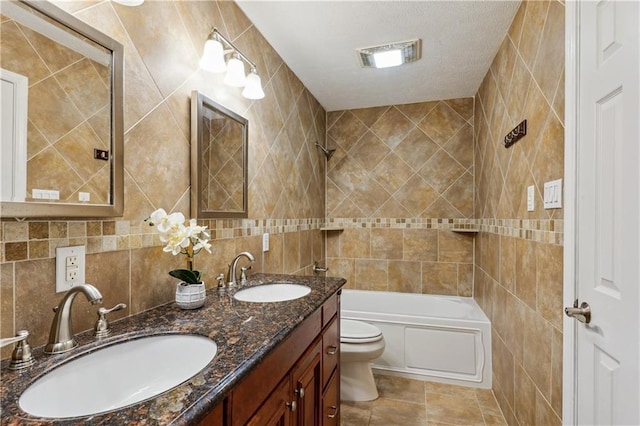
x: 297, y: 384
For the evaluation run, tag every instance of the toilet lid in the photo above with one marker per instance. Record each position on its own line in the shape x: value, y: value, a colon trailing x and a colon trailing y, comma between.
x: 358, y: 332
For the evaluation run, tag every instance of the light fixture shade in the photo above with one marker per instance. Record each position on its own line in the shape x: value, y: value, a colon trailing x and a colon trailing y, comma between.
x: 213, y: 57
x: 235, y: 73
x: 388, y: 58
x: 129, y: 2
x: 253, y: 87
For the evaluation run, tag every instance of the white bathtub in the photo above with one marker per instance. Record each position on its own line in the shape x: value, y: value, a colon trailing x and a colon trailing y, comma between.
x: 438, y: 338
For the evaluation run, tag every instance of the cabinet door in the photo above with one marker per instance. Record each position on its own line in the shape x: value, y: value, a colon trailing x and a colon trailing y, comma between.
x: 331, y: 402
x: 276, y: 409
x: 307, y: 389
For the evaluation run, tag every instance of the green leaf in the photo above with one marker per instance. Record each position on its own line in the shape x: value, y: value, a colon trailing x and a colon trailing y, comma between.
x: 189, y: 277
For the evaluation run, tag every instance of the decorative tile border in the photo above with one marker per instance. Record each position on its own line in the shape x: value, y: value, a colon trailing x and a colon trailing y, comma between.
x: 550, y: 231
x: 39, y: 239
x: 545, y: 231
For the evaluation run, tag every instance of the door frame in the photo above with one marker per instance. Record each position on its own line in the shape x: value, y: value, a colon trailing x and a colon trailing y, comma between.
x: 571, y: 134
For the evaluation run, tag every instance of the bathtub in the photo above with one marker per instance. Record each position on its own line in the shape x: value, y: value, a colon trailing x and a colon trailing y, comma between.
x: 444, y: 339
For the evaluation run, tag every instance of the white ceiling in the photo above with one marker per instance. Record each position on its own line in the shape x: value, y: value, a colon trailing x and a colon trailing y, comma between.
x: 317, y: 39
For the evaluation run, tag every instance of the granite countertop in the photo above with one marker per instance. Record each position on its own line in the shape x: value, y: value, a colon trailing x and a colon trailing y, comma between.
x: 244, y: 332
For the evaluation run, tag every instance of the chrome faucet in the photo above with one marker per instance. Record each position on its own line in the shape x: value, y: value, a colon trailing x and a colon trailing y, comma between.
x: 61, y: 338
x: 231, y: 275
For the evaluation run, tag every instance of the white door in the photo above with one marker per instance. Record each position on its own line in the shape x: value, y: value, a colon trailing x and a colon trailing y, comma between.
x: 606, y: 261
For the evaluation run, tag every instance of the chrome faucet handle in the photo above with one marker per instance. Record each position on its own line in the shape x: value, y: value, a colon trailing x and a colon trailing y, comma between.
x: 220, y: 279
x: 317, y: 268
x: 21, y: 356
x: 101, y: 329
x: 243, y: 274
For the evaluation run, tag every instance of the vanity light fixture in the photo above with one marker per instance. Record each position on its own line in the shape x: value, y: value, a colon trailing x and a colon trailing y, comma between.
x: 213, y: 60
x: 391, y: 54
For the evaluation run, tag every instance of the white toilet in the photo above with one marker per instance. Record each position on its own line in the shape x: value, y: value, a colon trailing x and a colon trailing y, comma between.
x: 360, y: 343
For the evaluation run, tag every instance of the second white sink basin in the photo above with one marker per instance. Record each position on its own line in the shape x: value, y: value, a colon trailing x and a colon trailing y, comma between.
x: 276, y: 292
x: 118, y: 376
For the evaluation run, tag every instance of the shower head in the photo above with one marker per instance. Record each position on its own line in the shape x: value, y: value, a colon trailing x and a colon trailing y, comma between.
x: 327, y: 152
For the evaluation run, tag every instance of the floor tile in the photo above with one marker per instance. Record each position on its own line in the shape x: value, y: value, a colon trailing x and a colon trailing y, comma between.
x: 453, y: 409
x: 392, y: 387
x: 355, y: 414
x: 406, y: 402
x: 390, y: 412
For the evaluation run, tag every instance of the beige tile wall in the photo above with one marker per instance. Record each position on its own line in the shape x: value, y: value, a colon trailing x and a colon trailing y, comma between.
x: 398, y: 171
x: 518, y: 259
x: 163, y: 41
x: 61, y: 81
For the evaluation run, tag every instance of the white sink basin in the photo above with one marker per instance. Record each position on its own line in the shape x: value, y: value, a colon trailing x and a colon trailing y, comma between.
x: 118, y: 375
x: 276, y: 292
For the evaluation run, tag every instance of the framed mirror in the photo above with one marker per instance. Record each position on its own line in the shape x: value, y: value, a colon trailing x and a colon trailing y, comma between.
x: 219, y: 139
x: 61, y: 149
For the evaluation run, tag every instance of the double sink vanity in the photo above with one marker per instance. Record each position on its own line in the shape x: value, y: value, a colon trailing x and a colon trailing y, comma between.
x: 263, y: 353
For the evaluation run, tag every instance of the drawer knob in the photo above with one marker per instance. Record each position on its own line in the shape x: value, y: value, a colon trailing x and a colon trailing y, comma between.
x: 331, y: 350
x: 300, y: 392
x: 292, y: 405
x: 335, y: 411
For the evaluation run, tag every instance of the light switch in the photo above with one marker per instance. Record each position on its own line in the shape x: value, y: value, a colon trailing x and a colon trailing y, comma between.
x: 531, y: 198
x: 553, y: 194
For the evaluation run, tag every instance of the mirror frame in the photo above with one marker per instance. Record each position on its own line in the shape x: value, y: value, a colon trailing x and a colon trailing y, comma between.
x: 198, y: 103
x: 63, y: 210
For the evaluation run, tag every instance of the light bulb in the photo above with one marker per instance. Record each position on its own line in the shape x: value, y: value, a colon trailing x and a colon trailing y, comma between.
x: 253, y: 87
x: 235, y: 73
x: 213, y: 57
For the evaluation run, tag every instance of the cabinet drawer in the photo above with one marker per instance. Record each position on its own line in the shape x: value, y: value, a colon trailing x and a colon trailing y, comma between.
x: 330, y: 350
x: 331, y: 402
x: 329, y: 309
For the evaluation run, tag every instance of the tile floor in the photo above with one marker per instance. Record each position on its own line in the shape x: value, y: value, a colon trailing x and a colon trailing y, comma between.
x: 406, y: 402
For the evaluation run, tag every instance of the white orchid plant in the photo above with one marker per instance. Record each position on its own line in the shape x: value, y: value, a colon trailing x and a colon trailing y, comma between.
x: 181, y: 237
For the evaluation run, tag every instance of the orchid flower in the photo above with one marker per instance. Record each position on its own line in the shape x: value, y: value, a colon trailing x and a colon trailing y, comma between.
x: 181, y: 237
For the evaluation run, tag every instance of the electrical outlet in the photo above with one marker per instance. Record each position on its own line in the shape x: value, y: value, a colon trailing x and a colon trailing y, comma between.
x: 70, y: 267
x: 72, y: 274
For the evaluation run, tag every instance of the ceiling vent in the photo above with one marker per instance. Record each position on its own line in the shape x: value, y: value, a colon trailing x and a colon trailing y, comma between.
x: 390, y: 55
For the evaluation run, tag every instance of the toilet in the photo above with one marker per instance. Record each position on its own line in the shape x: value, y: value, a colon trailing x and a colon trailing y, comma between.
x: 360, y: 343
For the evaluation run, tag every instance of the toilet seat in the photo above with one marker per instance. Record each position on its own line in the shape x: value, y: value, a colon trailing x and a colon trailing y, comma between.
x: 352, y: 331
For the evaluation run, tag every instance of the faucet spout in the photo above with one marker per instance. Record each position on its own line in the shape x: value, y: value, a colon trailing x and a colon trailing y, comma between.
x: 61, y: 337
x: 233, y: 266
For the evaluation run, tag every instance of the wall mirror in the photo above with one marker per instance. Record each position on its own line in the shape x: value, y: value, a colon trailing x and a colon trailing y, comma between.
x: 61, y: 149
x: 219, y: 139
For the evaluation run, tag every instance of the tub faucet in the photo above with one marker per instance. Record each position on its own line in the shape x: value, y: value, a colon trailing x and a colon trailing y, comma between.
x: 61, y: 338
x: 231, y: 275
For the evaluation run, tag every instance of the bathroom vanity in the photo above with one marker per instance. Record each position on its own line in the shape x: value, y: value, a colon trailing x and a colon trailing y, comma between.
x: 276, y: 363
x: 297, y: 384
